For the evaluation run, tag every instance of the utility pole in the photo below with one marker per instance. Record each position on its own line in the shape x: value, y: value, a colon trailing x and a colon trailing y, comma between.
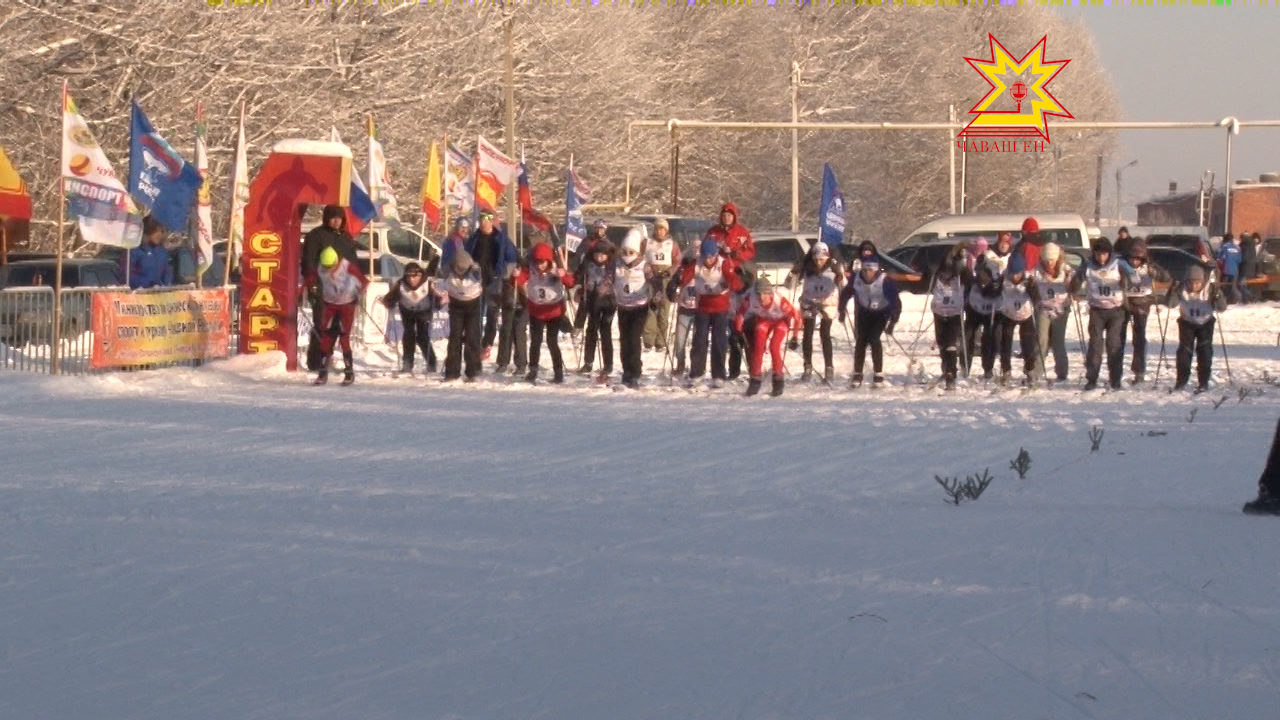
x: 513, y: 215
x: 1119, y: 219
x: 795, y: 147
x: 1097, y: 196
x: 951, y: 118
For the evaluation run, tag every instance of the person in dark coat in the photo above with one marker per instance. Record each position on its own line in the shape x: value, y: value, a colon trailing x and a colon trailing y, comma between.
x: 1268, y: 500
x: 150, y: 264
x: 1249, y: 245
x: 496, y: 256
x: 330, y: 233
x: 417, y: 300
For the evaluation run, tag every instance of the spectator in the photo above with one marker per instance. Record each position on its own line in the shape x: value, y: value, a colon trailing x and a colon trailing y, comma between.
x: 1229, y: 257
x: 497, y: 259
x: 149, y: 263
x: 1248, y: 263
x: 1123, y: 240
x: 330, y: 233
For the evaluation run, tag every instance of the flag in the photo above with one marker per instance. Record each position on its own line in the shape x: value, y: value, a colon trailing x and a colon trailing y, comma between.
x: 831, y: 210
x: 97, y: 199
x: 360, y: 209
x: 494, y: 172
x: 531, y: 217
x: 576, y: 195
x: 239, y: 193
x: 380, y: 192
x: 432, y: 199
x: 202, y: 225
x: 15, y: 201
x: 459, y: 182
x: 159, y: 179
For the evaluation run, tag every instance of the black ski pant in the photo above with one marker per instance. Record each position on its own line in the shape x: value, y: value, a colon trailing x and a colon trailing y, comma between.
x: 465, y: 328
x: 492, y: 316
x: 1269, y: 483
x: 599, y: 330
x: 740, y: 347
x: 315, y: 356
x: 978, y: 334
x: 946, y: 332
x: 1006, y: 327
x: 631, y: 337
x: 710, y: 330
x: 551, y: 330
x: 1105, y: 326
x: 823, y: 326
x: 1194, y: 340
x: 513, y: 336
x: 417, y: 334
x: 868, y: 326
x: 1139, y: 320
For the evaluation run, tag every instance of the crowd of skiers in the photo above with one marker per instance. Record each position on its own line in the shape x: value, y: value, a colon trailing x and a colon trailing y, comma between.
x: 981, y: 296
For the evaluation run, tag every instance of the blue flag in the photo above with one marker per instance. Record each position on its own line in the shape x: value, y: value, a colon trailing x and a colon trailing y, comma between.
x: 159, y: 179
x: 831, y: 210
x: 575, y: 228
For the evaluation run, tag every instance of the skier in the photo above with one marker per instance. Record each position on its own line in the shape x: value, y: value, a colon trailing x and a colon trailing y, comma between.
x: 1139, y: 296
x: 1053, y: 310
x: 1268, y: 500
x: 775, y: 318
x: 876, y: 311
x: 1102, y: 277
x: 633, y: 292
x: 340, y: 282
x: 455, y: 242
x: 513, y: 337
x: 1018, y: 301
x: 714, y: 278
x: 1197, y: 300
x: 599, y: 233
x: 544, y: 286
x: 821, y: 279
x: 685, y: 296
x: 975, y: 253
x: 330, y: 233
x: 463, y: 285
x: 982, y: 298
x: 661, y: 253
x: 413, y: 293
x: 1000, y: 255
x: 947, y: 300
x: 599, y: 304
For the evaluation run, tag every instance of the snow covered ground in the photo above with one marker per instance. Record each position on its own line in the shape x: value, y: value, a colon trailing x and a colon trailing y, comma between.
x: 231, y: 543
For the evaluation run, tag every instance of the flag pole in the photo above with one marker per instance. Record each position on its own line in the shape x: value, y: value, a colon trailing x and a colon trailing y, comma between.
x: 196, y: 210
x: 226, y: 271
x: 444, y: 189
x: 369, y: 228
x: 55, y: 353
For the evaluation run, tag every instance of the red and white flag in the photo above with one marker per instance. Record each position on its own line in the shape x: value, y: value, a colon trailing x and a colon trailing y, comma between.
x: 495, y: 172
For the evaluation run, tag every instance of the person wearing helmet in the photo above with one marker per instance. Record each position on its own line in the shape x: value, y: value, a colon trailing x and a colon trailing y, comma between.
x: 1198, y: 300
x: 414, y: 295
x: 661, y: 253
x: 821, y: 280
x: 876, y: 311
x: 339, y: 283
x: 1053, y: 310
x: 1016, y: 315
x: 598, y: 307
x: 1139, y: 296
x: 330, y: 233
x: 733, y: 238
x: 634, y: 288
x: 714, y: 278
x: 775, y: 319
x: 1101, y: 278
x: 544, y: 282
x: 462, y: 287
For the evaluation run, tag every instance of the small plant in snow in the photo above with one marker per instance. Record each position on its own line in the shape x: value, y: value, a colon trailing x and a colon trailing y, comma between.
x: 1217, y: 404
x: 1095, y: 437
x: 1245, y: 393
x: 971, y: 488
x: 1191, y: 416
x: 1021, y: 464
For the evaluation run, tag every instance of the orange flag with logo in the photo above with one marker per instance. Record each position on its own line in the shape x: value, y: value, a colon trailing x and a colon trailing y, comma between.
x: 15, y: 201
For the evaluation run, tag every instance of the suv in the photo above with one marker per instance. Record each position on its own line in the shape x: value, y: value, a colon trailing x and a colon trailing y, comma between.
x: 1191, y: 239
x: 27, y: 317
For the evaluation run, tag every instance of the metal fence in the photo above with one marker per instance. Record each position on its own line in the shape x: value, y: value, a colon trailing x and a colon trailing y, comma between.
x: 26, y: 329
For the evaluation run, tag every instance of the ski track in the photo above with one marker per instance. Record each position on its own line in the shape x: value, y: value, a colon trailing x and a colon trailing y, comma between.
x: 231, y: 543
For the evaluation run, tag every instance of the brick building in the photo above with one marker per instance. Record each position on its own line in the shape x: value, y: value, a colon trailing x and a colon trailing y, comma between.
x: 1183, y: 209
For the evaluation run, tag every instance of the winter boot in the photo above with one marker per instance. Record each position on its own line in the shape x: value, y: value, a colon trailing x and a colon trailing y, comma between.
x: 950, y: 382
x: 585, y: 369
x: 878, y: 380
x: 753, y: 387
x: 680, y: 368
x: 532, y: 376
x: 431, y: 365
x: 349, y: 371
x: 1090, y: 385
x: 1264, y: 504
x: 1005, y: 378
x: 323, y: 376
x: 830, y: 375
x: 855, y: 380
x: 778, y: 382
x: 808, y: 373
x: 500, y: 370
x: 520, y: 370
x: 1138, y: 378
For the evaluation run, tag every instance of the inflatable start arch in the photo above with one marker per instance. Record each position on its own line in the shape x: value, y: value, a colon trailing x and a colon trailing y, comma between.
x: 298, y: 173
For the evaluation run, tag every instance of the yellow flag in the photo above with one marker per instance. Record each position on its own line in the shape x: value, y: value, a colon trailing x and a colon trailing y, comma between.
x: 432, y: 195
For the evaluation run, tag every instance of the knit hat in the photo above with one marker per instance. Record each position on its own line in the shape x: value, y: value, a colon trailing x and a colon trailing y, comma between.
x: 709, y: 248
x: 764, y: 287
x: 413, y: 267
x: 661, y: 223
x: 602, y: 247
x: 1138, y: 248
x: 867, y: 247
x: 821, y: 250
x: 542, y: 253
x: 631, y: 243
x: 1051, y: 252
x: 462, y: 224
x: 1017, y: 265
x: 980, y: 245
x: 1196, y: 273
x: 1102, y: 244
x: 328, y: 257
x: 461, y: 261
x: 600, y: 224
x: 1030, y: 226
x: 333, y: 211
x: 871, y: 263
x: 1004, y: 236
x: 731, y: 209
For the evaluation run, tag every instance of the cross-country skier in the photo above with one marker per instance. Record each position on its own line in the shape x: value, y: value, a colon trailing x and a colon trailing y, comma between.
x: 1139, y: 296
x: 463, y: 284
x: 1016, y: 314
x: 982, y: 299
x: 662, y: 255
x: 341, y: 283
x: 1197, y: 300
x: 633, y: 293
x: 714, y: 278
x: 1051, y: 278
x: 999, y: 256
x: 330, y: 233
x: 1101, y: 277
x: 544, y: 286
x: 775, y: 318
x: 947, y: 301
x: 413, y: 294
x: 876, y: 311
x: 599, y: 234
x: 599, y: 303
x: 821, y: 280
x: 685, y: 296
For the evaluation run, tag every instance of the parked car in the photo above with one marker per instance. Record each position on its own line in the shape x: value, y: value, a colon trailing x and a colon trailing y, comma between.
x: 1065, y: 229
x: 1178, y: 263
x: 779, y: 253
x: 1189, y: 238
x: 27, y: 317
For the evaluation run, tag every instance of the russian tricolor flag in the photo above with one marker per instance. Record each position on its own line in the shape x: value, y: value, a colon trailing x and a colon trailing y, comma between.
x: 360, y: 208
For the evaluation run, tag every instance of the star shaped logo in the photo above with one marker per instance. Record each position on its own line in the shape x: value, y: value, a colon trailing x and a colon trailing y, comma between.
x: 1031, y: 120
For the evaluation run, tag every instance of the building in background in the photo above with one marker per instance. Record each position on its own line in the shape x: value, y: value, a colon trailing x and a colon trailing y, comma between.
x: 1255, y: 206
x: 1188, y: 209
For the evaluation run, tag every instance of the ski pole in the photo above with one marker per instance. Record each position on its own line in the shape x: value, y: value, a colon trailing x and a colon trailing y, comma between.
x: 1163, y: 327
x: 1222, y: 335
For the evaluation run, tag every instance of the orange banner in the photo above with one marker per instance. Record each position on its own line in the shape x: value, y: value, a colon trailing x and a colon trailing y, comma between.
x: 159, y: 327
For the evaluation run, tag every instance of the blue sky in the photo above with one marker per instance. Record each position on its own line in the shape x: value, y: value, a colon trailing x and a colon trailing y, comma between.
x: 1189, y: 63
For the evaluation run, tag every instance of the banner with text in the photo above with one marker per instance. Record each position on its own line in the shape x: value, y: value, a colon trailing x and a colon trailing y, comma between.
x: 157, y: 328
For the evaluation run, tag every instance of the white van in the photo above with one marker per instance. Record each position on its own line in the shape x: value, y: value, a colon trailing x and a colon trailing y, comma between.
x: 393, y: 246
x: 1065, y: 229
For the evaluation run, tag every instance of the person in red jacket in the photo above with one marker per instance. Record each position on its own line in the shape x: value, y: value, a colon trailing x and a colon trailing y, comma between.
x: 544, y: 284
x: 341, y: 283
x: 733, y: 238
x: 713, y: 278
x: 775, y: 317
x: 1031, y: 244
